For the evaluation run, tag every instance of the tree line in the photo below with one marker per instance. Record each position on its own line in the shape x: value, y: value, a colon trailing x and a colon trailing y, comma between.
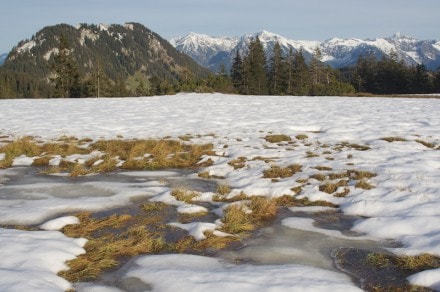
x: 388, y: 75
x: 282, y: 74
x: 252, y: 73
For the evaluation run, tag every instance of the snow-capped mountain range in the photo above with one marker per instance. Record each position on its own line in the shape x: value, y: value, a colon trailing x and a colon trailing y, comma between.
x: 211, y: 52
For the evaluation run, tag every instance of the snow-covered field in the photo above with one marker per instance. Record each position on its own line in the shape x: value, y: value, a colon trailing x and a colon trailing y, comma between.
x: 403, y: 206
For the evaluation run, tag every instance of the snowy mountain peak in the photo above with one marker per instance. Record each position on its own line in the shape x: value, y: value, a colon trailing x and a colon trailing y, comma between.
x: 195, y: 41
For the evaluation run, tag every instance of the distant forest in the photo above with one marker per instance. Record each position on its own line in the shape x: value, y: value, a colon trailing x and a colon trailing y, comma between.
x: 251, y: 74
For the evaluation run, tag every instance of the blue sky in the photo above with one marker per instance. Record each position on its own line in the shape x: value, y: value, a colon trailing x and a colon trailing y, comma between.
x: 295, y: 19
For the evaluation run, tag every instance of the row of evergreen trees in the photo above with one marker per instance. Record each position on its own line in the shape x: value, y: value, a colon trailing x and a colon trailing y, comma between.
x: 391, y: 76
x: 284, y: 75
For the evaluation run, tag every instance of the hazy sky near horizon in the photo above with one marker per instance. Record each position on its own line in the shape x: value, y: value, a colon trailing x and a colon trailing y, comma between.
x: 294, y: 19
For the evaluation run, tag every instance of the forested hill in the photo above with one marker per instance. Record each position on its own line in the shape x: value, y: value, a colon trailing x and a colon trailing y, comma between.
x: 106, y: 60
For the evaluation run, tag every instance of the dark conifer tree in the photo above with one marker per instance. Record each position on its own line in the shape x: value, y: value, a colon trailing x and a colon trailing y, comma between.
x: 254, y: 72
x: 237, y: 72
x: 67, y: 79
x: 277, y: 72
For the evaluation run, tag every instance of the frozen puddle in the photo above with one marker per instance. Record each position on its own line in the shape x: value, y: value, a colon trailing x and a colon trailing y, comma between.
x: 29, y: 198
x: 283, y: 245
x: 290, y: 253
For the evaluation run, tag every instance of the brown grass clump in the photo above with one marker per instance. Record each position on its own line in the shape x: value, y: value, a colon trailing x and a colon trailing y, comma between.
x: 362, y: 184
x: 238, y: 162
x: 426, y: 144
x: 206, y: 175
x: 414, y: 264
x: 301, y: 137
x: 359, y: 175
x: 109, y: 240
x: 79, y: 170
x: 394, y: 139
x: 282, y: 172
x: 289, y: 201
x: 42, y: 161
x: 277, y: 138
x: 236, y: 220
x: 354, y: 146
x: 311, y: 154
x: 330, y: 187
x: 184, y: 195
x: 322, y: 168
x: 153, y: 154
x: 319, y: 177
x: 223, y: 189
x: 222, y: 197
x: 23, y: 146
x: 153, y: 207
x: 188, y: 244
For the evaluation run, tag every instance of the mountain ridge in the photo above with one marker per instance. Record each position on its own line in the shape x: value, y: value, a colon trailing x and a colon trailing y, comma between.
x: 130, y: 54
x: 336, y: 52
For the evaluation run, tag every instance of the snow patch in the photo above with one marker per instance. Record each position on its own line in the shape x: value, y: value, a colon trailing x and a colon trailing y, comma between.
x: 59, y: 223
x: 26, y: 47
x: 50, y: 53
x: 32, y: 259
x: 197, y: 274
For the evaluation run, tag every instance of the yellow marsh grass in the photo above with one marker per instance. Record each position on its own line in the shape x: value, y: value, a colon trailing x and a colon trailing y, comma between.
x: 414, y: 264
x: 236, y: 220
x: 289, y: 201
x: 184, y: 195
x: 223, y: 189
x: 330, y: 187
x: 138, y: 154
x: 106, y: 246
x: 153, y: 154
x: 188, y: 244
x: 24, y: 146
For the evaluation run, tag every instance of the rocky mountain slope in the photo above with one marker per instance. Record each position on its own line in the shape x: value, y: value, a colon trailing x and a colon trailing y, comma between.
x: 119, y: 52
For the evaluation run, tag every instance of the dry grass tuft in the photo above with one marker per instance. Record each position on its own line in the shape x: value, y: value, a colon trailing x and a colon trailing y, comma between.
x: 223, y: 189
x: 362, y: 184
x: 393, y: 139
x: 236, y: 220
x: 109, y: 240
x: 238, y: 162
x: 23, y: 146
x: 277, y: 138
x: 222, y: 197
x: 414, y: 264
x: 345, y: 145
x: 323, y: 168
x: 330, y: 187
x: 319, y: 177
x: 301, y: 137
x: 282, y: 172
x: 289, y: 201
x: 311, y: 154
x: 188, y: 244
x: 240, y: 219
x: 184, y: 195
x: 426, y: 144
